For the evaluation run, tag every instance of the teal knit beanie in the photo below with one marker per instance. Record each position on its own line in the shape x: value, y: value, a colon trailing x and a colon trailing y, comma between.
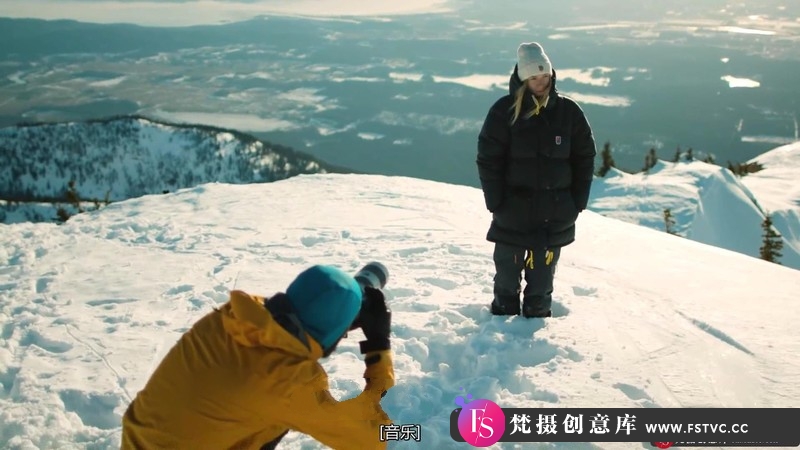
x: 326, y: 300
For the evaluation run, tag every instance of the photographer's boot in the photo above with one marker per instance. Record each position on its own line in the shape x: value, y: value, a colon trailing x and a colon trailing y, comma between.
x: 505, y: 306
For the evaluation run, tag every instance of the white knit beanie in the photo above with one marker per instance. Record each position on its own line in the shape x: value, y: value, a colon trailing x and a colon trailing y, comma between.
x: 532, y: 61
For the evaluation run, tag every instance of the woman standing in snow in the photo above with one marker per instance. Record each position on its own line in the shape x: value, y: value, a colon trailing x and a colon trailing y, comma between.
x: 535, y: 161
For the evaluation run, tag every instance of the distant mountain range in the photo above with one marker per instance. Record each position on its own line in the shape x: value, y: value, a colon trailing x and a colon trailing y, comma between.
x: 131, y: 156
x: 124, y: 157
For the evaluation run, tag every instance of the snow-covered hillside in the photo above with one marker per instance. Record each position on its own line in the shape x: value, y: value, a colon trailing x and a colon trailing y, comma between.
x: 777, y: 188
x: 709, y: 203
x: 127, y: 157
x: 642, y: 318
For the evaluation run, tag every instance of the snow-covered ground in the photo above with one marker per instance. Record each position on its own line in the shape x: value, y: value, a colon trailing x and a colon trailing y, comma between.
x: 778, y: 192
x: 709, y: 204
x: 642, y: 318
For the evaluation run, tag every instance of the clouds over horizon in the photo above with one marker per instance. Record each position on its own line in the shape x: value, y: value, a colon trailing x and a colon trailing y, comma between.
x: 205, y: 12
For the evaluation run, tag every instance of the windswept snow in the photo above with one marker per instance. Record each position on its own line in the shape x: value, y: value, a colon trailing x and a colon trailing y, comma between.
x: 642, y: 318
x: 778, y: 193
x: 709, y: 203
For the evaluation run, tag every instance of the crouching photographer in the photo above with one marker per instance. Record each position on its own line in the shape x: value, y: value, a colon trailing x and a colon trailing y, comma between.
x: 247, y: 373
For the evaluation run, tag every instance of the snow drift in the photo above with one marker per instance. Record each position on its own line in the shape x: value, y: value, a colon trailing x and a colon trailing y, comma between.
x: 709, y: 203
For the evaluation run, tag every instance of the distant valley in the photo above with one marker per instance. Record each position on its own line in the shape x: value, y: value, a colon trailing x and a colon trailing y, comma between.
x: 407, y: 95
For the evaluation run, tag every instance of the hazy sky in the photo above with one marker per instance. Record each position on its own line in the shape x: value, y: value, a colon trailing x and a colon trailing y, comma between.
x: 194, y: 12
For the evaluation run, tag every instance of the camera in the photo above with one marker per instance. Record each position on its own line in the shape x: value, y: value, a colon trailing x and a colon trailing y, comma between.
x: 372, y: 275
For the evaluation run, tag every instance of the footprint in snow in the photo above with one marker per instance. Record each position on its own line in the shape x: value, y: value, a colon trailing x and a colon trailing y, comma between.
x: 559, y: 310
x: 8, y: 379
x: 584, y: 291
x: 110, y: 302
x: 34, y: 338
x: 439, y: 282
x: 404, y: 253
x: 310, y: 241
x: 415, y: 307
x: 322, y: 238
x: 94, y: 409
x: 180, y: 289
x: 42, y: 284
x: 7, y: 331
x: 196, y: 304
x: 398, y: 293
x: 638, y: 395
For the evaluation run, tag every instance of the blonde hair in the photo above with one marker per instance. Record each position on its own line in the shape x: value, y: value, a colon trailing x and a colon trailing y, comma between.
x: 519, y: 96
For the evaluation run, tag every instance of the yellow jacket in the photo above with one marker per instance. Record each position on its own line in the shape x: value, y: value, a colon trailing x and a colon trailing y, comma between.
x: 238, y: 380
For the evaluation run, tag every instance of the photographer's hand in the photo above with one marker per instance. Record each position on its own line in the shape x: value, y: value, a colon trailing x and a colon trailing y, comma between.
x: 376, y: 321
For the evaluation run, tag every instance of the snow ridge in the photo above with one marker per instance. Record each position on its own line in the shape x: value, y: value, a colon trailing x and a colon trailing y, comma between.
x: 131, y: 156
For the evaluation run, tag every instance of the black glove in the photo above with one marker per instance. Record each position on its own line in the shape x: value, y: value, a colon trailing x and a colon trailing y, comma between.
x: 376, y: 321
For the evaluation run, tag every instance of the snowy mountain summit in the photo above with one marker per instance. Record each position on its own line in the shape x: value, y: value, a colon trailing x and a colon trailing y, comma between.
x: 641, y: 319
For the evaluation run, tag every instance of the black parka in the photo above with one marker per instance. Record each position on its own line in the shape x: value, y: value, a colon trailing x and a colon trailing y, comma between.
x: 536, y: 174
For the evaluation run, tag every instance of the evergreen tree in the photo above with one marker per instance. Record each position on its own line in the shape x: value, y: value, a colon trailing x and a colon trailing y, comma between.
x: 607, y: 160
x: 772, y: 244
x: 73, y: 197
x: 669, y: 222
x: 650, y: 160
x: 690, y: 155
x: 62, y: 215
x: 677, y: 156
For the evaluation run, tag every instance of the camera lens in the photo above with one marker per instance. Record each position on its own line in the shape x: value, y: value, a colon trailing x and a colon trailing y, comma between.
x: 374, y: 274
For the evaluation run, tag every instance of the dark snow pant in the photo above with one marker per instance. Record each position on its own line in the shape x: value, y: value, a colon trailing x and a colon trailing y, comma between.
x: 539, y: 267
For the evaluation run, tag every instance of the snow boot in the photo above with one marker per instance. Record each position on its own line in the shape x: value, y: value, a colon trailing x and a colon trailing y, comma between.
x: 529, y: 313
x: 535, y: 308
x: 505, y: 306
